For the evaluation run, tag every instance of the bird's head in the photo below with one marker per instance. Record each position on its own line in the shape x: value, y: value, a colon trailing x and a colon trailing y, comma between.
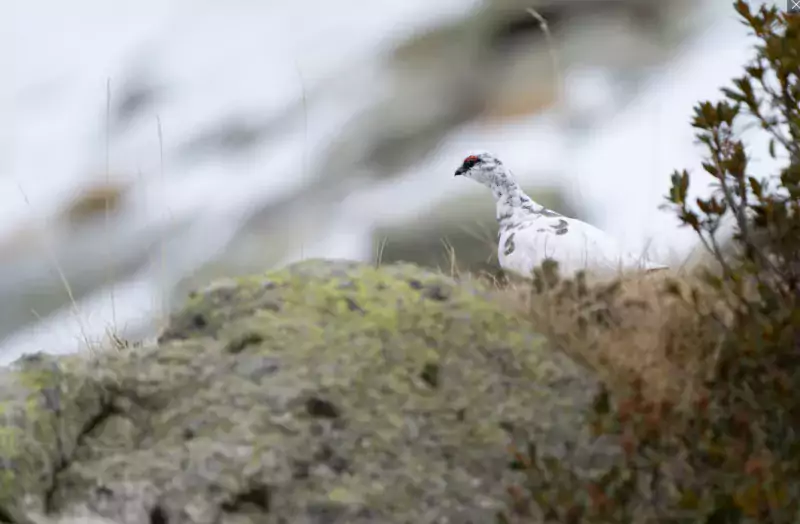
x: 484, y: 168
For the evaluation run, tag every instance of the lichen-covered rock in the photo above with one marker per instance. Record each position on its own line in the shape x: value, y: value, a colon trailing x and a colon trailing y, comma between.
x: 46, y: 404
x: 328, y: 391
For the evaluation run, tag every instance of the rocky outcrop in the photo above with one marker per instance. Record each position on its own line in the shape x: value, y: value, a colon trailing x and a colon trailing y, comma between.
x: 329, y: 391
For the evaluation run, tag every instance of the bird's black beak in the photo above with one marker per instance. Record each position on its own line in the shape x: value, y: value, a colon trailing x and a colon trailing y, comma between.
x: 460, y: 171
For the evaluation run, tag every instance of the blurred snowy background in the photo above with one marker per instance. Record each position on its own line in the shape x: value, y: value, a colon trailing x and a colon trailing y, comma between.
x: 149, y: 146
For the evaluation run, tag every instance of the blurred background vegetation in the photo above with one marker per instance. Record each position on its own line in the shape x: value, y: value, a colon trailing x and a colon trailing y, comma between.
x: 152, y: 146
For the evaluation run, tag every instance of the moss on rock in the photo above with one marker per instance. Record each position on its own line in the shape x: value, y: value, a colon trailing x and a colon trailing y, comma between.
x: 329, y: 391
x: 46, y: 404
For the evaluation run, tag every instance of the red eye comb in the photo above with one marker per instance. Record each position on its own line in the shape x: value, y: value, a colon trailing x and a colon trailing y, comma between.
x: 471, y: 158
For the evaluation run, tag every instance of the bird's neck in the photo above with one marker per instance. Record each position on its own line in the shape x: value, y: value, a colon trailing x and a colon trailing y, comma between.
x: 513, y: 205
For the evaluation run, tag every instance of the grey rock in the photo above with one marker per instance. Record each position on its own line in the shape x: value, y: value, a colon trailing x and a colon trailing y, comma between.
x: 311, y: 411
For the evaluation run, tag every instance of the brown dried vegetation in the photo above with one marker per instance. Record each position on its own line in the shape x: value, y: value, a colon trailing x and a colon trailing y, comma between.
x: 702, y: 368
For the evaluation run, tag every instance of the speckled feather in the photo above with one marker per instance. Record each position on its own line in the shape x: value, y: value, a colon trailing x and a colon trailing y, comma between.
x: 530, y: 233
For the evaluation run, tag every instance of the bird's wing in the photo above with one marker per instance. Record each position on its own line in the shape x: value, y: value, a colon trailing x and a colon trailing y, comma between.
x: 525, y: 246
x: 574, y: 244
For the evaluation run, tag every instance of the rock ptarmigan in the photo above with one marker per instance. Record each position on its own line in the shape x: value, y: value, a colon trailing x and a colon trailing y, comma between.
x: 530, y: 233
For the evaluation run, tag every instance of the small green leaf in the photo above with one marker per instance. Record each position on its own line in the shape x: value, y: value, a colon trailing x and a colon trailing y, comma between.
x: 734, y: 95
x: 755, y: 185
x: 756, y: 72
x: 690, y: 218
x: 743, y: 9
x: 711, y: 169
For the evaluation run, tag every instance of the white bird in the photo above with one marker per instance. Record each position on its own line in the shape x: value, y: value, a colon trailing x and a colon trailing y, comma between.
x: 530, y: 233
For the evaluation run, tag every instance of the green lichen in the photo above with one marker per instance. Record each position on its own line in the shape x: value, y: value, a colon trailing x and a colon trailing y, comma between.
x: 45, y: 402
x: 316, y: 383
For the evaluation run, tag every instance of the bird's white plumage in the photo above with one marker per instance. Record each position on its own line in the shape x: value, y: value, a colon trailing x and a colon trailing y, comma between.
x: 529, y: 233
x: 575, y: 245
